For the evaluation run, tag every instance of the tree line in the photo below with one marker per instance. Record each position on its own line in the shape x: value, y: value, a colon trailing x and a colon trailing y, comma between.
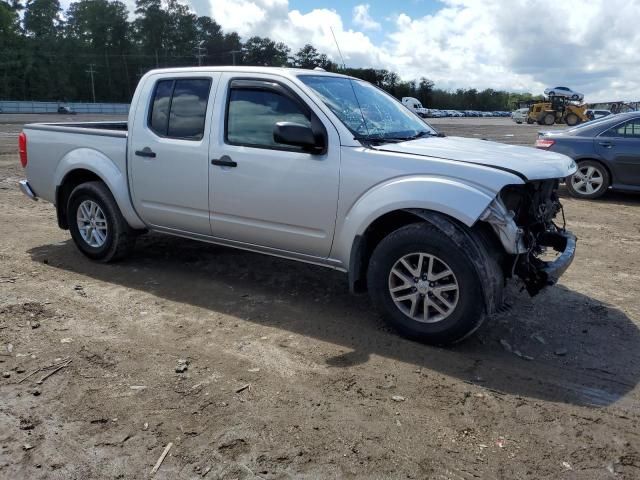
x: 93, y: 49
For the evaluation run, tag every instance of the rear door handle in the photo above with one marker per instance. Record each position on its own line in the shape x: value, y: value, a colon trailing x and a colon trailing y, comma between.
x: 224, y: 161
x: 146, y: 152
x: 606, y: 144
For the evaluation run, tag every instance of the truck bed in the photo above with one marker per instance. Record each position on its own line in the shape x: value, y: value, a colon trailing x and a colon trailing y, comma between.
x: 111, y: 129
x: 54, y: 147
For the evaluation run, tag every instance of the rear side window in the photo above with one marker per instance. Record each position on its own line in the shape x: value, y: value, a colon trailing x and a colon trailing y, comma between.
x: 253, y: 114
x: 179, y: 108
x: 159, y: 118
x: 630, y: 129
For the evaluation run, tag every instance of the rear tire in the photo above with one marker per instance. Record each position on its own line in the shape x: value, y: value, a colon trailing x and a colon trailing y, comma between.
x: 454, y: 303
x: 590, y: 181
x: 97, y: 227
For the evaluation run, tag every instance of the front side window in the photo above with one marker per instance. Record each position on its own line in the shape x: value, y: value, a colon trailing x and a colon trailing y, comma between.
x: 252, y: 115
x: 368, y: 112
x: 179, y: 107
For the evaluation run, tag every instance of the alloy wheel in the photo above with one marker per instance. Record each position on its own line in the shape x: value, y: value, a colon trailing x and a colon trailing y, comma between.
x: 587, y: 180
x: 423, y: 287
x: 92, y: 223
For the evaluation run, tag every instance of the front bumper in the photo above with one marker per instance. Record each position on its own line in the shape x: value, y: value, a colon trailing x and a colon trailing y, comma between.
x: 564, y: 242
x: 26, y: 189
x: 538, y: 274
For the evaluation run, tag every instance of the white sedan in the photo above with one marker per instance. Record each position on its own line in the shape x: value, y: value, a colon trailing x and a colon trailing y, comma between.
x: 563, y: 92
x: 520, y: 115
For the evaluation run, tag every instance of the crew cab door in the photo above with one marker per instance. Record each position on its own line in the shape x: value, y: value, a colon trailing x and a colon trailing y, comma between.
x: 621, y: 146
x: 168, y: 151
x: 262, y: 192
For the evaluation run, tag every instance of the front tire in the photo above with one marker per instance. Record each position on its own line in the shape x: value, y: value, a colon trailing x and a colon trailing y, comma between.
x: 97, y: 227
x: 572, y: 119
x: 590, y: 181
x: 425, y: 286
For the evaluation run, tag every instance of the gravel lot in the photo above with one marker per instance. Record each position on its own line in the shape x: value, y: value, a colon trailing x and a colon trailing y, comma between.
x: 289, y: 376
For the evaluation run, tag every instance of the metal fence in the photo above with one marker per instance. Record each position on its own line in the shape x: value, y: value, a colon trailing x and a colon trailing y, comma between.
x: 52, y: 107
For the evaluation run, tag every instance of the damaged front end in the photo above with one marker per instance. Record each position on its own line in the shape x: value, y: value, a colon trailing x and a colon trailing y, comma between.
x: 524, y: 219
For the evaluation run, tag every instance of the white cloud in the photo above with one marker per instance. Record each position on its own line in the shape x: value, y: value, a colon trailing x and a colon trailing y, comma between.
x: 501, y: 44
x: 362, y: 18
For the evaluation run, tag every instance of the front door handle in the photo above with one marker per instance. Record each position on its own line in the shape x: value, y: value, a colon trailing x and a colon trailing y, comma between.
x: 606, y: 144
x: 146, y: 152
x: 224, y: 161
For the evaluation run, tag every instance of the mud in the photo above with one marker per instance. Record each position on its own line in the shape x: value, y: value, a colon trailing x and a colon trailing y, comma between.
x: 289, y: 376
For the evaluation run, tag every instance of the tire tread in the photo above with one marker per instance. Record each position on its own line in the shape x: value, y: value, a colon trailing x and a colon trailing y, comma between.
x: 124, y: 237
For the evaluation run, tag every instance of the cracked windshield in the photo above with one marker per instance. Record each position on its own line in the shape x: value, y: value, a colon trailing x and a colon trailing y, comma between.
x: 367, y: 111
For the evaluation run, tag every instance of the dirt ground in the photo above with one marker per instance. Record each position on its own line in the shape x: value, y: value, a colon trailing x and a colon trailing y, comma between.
x: 289, y: 376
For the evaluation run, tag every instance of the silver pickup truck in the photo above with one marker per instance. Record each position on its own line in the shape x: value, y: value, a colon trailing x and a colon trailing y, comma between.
x: 316, y: 167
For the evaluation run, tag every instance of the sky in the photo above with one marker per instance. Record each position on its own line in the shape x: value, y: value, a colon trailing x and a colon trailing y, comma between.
x: 591, y: 46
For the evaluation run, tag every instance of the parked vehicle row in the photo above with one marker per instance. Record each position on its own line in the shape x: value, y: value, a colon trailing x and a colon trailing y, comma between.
x: 315, y: 167
x: 415, y: 106
x: 435, y: 113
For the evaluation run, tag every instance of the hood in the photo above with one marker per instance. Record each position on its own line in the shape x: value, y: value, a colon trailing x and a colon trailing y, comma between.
x: 532, y: 163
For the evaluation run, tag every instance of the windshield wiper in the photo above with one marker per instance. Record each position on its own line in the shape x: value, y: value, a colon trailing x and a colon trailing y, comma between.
x: 424, y: 133
x: 378, y: 140
x: 412, y: 137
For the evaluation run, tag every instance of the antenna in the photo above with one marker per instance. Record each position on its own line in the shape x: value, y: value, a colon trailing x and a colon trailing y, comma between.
x: 344, y: 65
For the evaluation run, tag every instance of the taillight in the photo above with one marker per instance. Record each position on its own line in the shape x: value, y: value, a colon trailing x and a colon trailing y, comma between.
x: 22, y: 149
x: 544, y: 143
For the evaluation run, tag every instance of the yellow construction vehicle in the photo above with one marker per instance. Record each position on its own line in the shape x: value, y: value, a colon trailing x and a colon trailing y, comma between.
x: 557, y: 110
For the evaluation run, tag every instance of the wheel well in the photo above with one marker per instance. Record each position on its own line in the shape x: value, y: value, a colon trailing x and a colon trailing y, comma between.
x: 604, y: 165
x: 365, y: 244
x: 486, y: 252
x: 69, y: 182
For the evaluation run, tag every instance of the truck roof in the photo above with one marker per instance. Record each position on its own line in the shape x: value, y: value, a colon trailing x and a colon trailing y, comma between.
x: 283, y: 71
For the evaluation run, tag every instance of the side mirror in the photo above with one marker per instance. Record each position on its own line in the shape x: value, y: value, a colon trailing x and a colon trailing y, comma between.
x: 298, y: 135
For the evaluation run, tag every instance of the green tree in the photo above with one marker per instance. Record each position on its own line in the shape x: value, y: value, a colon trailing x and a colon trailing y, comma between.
x: 151, y: 27
x: 11, y: 51
x: 42, y: 19
x: 264, y: 51
x: 209, y: 36
x: 183, y: 29
x: 9, y: 20
x: 99, y: 32
x: 99, y: 24
x: 306, y: 57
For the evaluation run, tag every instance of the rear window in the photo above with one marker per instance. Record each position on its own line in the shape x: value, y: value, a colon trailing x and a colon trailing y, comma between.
x: 179, y: 107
